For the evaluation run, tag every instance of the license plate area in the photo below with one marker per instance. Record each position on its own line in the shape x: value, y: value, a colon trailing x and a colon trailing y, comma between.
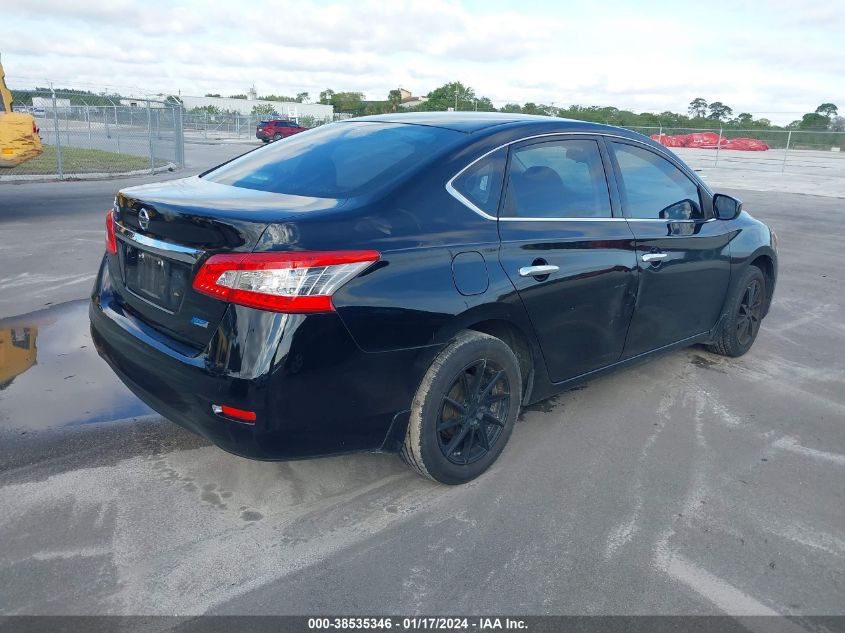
x: 157, y: 280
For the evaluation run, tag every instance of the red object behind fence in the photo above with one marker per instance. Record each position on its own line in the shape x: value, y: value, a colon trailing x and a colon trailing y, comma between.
x: 710, y: 140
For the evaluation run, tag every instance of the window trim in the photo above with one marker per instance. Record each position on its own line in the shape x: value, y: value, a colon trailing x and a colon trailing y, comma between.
x: 462, y: 198
x: 594, y: 134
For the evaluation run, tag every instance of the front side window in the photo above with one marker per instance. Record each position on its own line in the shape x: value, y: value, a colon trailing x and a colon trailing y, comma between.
x: 338, y: 160
x: 481, y: 183
x: 557, y: 179
x: 653, y: 188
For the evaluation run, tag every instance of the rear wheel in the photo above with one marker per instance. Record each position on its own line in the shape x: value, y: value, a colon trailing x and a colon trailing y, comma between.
x: 744, y: 314
x: 465, y: 409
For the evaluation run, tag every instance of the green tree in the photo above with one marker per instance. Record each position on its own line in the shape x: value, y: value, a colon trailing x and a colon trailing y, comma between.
x: 263, y: 109
x: 719, y: 111
x: 532, y: 108
x: 827, y: 109
x: 283, y: 98
x: 207, y: 109
x: 697, y: 108
x: 347, y: 101
x: 448, y: 95
x: 837, y: 124
x: 303, y: 97
x: 814, y: 121
x: 394, y: 98
x: 237, y: 96
x: 173, y: 100
x: 212, y: 94
x: 743, y: 118
x: 511, y: 107
x: 326, y: 96
x: 308, y: 120
x: 483, y: 104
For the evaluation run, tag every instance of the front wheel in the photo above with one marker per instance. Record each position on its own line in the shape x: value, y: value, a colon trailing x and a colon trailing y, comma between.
x: 277, y: 136
x: 464, y: 410
x: 743, y: 315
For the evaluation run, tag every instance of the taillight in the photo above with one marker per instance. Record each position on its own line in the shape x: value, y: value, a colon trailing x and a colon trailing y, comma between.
x: 296, y: 283
x: 111, y: 241
x: 242, y: 415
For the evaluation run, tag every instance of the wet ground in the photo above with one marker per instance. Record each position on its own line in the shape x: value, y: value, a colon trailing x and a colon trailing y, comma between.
x: 692, y: 484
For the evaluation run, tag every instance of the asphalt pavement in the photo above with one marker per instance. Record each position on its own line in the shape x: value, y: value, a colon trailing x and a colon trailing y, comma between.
x: 691, y: 484
x: 52, y: 232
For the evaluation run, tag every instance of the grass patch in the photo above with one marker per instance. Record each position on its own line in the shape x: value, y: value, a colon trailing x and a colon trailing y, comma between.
x: 78, y: 160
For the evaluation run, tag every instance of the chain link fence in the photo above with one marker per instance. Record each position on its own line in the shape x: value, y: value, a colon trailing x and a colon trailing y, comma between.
x: 88, y: 135
x: 802, y: 151
x: 231, y: 125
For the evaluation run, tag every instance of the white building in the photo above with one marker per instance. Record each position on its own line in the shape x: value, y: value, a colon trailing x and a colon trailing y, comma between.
x: 142, y: 103
x: 46, y: 103
x: 409, y: 100
x: 288, y: 110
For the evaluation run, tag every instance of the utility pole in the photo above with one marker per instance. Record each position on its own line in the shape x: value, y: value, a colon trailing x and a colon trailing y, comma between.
x: 456, y: 99
x: 59, y: 165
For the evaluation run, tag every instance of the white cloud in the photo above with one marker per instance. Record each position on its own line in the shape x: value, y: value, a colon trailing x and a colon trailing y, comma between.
x: 778, y: 57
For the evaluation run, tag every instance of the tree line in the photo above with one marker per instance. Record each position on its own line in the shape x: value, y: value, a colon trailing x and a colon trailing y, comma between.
x: 458, y: 96
x: 700, y: 113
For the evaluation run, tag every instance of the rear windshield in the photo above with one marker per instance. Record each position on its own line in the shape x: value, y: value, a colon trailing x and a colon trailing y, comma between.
x: 340, y: 160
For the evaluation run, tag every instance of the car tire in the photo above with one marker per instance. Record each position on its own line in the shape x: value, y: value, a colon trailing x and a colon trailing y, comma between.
x: 743, y: 314
x: 464, y: 410
x: 277, y: 136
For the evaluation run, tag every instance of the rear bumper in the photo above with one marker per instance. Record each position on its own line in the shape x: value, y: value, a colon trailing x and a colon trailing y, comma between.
x: 314, y: 391
x: 262, y: 136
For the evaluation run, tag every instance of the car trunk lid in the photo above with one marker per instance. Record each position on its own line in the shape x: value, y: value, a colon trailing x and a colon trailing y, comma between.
x: 165, y: 232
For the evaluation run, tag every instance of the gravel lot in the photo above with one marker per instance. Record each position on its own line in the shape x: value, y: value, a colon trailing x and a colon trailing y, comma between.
x: 692, y: 484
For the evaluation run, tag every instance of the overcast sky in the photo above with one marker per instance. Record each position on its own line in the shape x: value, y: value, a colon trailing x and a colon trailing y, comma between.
x: 774, y: 58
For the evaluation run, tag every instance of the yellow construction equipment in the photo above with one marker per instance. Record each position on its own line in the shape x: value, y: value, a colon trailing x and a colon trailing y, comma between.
x: 17, y: 352
x: 19, y: 140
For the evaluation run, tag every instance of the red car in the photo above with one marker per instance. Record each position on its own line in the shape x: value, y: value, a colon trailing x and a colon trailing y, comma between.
x: 275, y: 129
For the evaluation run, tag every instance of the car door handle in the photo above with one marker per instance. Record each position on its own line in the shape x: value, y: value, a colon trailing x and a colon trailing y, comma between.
x: 654, y: 257
x: 538, y: 271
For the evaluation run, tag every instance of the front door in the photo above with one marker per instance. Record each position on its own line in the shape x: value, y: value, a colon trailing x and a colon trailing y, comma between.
x: 570, y: 259
x: 683, y: 252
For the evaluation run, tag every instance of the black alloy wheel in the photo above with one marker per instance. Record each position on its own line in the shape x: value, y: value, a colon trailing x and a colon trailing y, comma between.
x: 473, y: 412
x: 743, y: 314
x: 464, y: 410
x: 750, y: 313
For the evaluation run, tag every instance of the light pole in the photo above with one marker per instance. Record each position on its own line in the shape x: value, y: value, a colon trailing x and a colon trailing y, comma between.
x: 456, y: 99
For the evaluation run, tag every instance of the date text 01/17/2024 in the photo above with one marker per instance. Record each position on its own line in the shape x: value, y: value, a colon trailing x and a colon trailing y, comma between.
x: 418, y: 623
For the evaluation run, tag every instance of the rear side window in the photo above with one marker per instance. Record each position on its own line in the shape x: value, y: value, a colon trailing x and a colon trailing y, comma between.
x: 338, y: 160
x: 653, y: 188
x: 557, y: 179
x: 481, y: 183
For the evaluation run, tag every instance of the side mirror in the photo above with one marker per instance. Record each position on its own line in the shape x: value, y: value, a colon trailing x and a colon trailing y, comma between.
x: 726, y: 207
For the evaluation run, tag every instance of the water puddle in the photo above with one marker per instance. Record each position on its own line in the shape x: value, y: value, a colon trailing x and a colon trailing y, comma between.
x: 51, y: 375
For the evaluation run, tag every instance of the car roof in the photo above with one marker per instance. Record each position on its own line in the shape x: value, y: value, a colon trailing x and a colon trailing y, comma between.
x: 470, y: 122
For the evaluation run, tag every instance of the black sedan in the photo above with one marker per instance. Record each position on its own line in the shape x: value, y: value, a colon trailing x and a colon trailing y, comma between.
x: 407, y: 282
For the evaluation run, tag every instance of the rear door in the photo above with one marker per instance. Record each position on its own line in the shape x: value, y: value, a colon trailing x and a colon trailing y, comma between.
x: 568, y: 252
x: 683, y: 253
